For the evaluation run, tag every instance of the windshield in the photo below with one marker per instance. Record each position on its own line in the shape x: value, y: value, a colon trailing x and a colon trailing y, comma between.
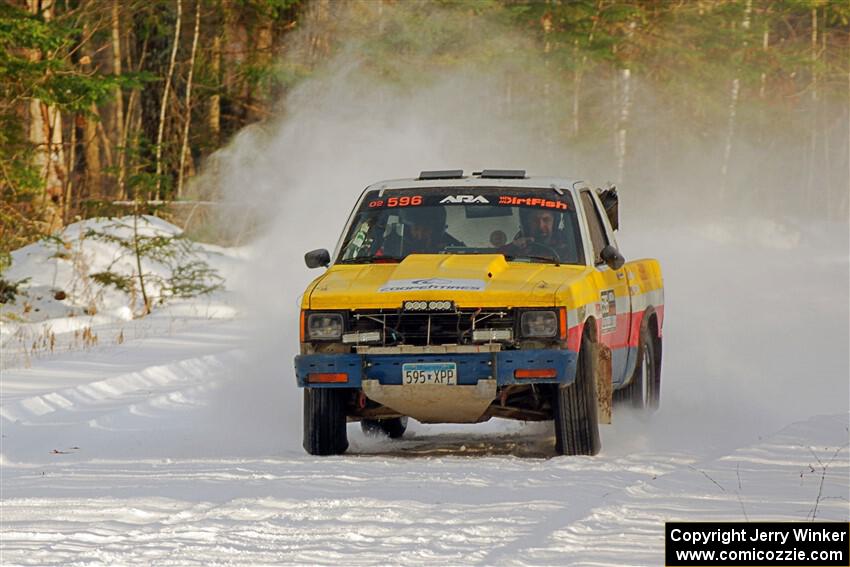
x: 525, y: 225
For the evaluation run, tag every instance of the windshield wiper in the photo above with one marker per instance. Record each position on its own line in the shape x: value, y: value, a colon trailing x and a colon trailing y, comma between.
x: 371, y: 259
x: 547, y: 259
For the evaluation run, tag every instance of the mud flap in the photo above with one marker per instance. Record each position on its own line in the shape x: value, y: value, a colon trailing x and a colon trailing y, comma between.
x: 604, y: 387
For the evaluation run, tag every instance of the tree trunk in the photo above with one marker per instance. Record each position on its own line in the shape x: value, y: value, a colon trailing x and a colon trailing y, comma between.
x: 185, y: 142
x: 765, y: 42
x: 235, y: 43
x: 763, y: 135
x: 133, y: 115
x: 730, y: 135
x: 138, y: 254
x: 120, y: 140
x: 826, y: 128
x: 576, y: 91
x: 810, y: 179
x: 165, y: 91
x: 319, y: 42
x: 69, y: 187
x: 214, y: 119
x: 733, y: 112
x: 89, y: 130
x: 625, y: 84
x: 546, y: 25
x: 845, y: 205
x: 91, y: 147
x: 623, y: 121
x: 578, y: 74
x: 263, y: 45
x: 45, y: 135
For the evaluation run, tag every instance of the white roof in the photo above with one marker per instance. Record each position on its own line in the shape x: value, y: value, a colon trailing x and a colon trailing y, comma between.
x: 476, y: 181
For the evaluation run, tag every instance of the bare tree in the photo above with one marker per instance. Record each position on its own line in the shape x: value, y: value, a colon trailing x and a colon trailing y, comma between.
x: 625, y: 83
x: 810, y: 178
x: 45, y: 135
x: 184, y: 145
x: 214, y: 117
x: 733, y: 110
x: 578, y: 71
x: 166, y: 89
x: 119, y: 98
x: 90, y: 140
x: 845, y: 199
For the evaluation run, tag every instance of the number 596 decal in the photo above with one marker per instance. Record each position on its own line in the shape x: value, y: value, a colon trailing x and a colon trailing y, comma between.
x: 396, y: 202
x: 404, y: 201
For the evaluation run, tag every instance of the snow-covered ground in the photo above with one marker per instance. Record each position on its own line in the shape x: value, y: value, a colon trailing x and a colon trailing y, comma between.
x: 62, y: 307
x: 180, y: 444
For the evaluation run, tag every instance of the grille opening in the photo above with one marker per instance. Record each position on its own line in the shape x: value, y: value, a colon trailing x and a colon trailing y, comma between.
x: 431, y: 328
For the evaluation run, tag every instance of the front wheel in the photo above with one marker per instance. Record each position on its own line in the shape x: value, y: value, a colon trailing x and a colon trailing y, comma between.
x: 576, y: 419
x: 324, y: 421
x: 393, y: 428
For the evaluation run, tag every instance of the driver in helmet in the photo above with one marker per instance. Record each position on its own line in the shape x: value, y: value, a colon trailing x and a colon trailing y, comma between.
x: 540, y: 235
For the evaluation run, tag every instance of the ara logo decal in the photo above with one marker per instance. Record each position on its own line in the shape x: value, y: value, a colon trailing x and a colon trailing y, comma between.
x: 465, y: 199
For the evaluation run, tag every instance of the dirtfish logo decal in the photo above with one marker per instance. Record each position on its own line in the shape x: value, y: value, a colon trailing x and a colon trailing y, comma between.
x: 429, y: 284
x: 465, y: 199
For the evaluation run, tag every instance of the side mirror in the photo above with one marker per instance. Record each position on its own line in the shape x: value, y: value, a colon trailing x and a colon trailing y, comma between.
x: 317, y: 258
x: 611, y: 203
x: 611, y: 256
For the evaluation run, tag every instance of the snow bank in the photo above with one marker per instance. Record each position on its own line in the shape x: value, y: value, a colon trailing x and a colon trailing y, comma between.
x: 85, y: 278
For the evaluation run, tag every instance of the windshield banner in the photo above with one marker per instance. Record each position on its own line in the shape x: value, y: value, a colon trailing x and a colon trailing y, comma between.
x: 485, y: 196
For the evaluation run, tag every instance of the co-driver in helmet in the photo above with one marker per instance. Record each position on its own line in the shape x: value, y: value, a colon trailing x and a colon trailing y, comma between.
x: 426, y: 231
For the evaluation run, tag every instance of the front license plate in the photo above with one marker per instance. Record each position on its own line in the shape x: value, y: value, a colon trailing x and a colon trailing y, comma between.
x: 429, y: 373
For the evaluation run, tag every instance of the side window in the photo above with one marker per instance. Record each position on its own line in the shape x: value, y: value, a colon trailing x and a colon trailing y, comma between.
x: 594, y: 225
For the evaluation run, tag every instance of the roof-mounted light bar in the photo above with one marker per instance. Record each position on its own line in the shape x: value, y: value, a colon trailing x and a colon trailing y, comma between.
x: 503, y: 174
x: 441, y: 174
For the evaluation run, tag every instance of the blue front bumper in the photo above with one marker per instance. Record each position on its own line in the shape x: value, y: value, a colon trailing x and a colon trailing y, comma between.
x: 471, y: 367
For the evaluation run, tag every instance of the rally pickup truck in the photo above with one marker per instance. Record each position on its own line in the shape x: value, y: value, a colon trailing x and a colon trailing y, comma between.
x: 455, y: 298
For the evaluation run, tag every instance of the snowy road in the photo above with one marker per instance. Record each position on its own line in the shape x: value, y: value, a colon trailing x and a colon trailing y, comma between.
x: 180, y: 444
x: 163, y: 451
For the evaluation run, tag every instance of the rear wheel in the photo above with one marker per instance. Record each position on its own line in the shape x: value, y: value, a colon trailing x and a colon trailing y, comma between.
x: 393, y: 428
x: 576, y: 420
x: 324, y: 421
x: 644, y: 390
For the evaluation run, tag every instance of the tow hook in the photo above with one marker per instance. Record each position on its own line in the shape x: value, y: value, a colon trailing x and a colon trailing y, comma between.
x: 361, y: 400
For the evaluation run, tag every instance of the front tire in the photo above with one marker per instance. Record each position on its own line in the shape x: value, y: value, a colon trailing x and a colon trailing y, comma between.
x: 393, y: 428
x: 325, y: 421
x: 576, y: 419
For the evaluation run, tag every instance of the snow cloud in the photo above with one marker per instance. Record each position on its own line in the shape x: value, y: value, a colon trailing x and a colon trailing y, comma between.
x: 757, y: 310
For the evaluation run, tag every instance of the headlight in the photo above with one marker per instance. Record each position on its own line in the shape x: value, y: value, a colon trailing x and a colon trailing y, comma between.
x: 539, y: 324
x: 324, y: 326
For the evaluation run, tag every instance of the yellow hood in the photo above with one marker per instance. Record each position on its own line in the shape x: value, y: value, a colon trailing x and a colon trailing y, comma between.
x: 469, y: 280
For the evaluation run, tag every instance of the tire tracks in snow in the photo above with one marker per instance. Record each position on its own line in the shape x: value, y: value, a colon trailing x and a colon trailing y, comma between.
x: 149, y: 385
x: 743, y: 484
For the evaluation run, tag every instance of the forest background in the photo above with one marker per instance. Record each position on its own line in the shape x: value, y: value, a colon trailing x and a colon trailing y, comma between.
x: 109, y: 106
